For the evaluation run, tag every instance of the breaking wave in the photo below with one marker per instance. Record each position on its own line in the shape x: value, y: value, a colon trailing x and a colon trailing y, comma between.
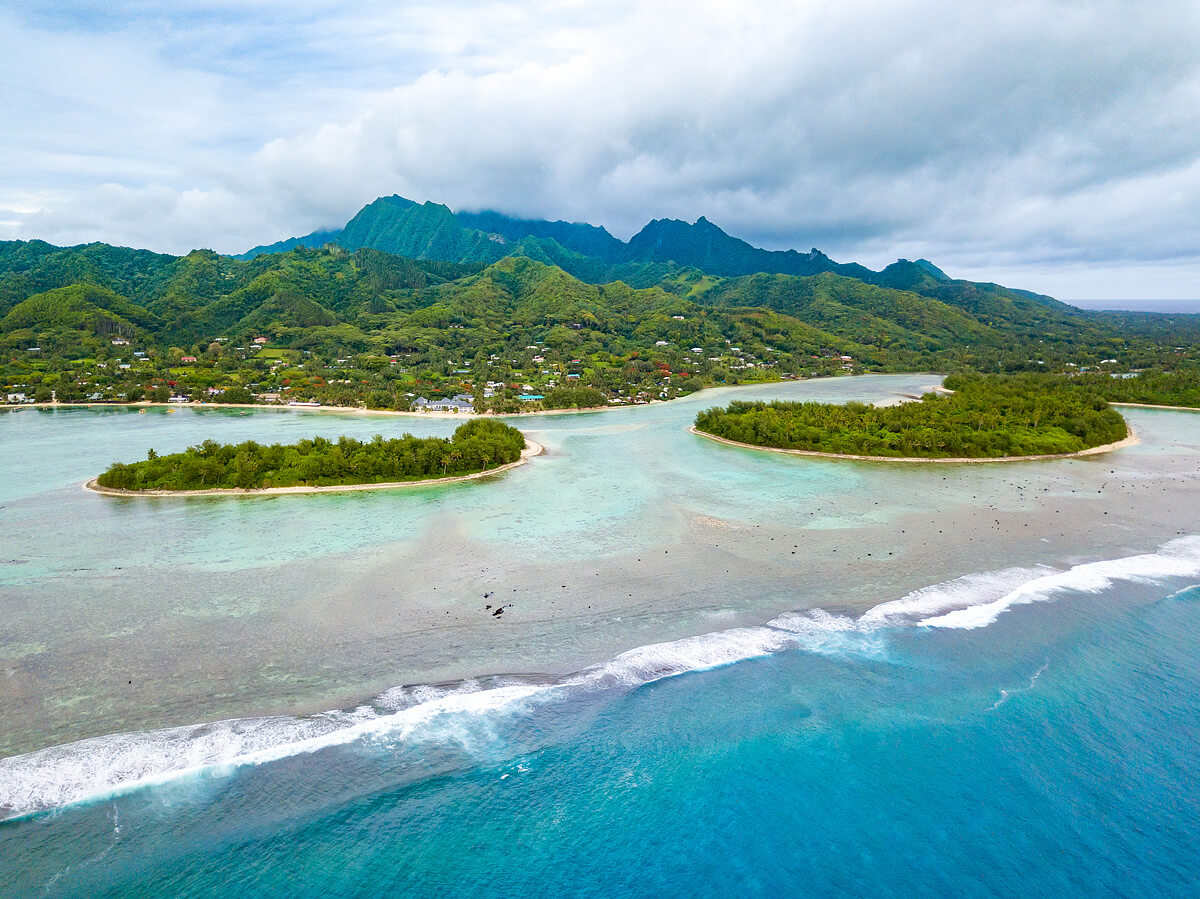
x: 465, y: 713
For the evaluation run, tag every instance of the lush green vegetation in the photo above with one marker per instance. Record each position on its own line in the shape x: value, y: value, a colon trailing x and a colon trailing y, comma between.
x: 573, y: 398
x: 476, y: 446
x: 986, y: 416
x: 505, y: 310
x: 1156, y: 386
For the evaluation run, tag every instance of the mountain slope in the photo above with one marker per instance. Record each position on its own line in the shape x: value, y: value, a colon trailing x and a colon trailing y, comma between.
x: 708, y: 248
x: 660, y: 254
x: 425, y: 231
x: 587, y: 240
x: 367, y: 326
x: 854, y: 309
x: 431, y: 231
x: 79, y: 307
x: 312, y: 241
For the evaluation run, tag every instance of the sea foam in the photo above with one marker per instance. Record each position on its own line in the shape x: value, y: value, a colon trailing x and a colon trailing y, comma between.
x: 1179, y: 558
x: 465, y: 714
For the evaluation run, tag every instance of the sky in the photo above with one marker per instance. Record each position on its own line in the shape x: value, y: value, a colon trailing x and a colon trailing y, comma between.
x: 1047, y: 144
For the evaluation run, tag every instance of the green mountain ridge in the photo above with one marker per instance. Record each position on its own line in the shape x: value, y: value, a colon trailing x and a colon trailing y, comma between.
x: 431, y: 231
x: 545, y: 306
x: 374, y: 298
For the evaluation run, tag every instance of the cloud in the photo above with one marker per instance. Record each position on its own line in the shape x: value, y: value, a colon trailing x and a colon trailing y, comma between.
x: 1027, y: 137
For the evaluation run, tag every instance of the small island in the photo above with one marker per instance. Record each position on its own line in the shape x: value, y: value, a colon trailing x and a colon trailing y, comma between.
x: 477, y: 448
x: 977, y: 419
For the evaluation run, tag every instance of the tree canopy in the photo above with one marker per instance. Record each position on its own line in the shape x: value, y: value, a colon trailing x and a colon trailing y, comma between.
x: 986, y: 416
x: 476, y: 446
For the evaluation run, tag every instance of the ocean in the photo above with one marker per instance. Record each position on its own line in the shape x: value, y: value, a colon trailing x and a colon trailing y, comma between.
x: 906, y: 681
x: 1188, y: 307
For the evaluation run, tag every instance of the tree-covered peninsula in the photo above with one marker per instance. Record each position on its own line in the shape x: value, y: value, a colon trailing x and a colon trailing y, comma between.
x: 477, y: 446
x: 986, y: 417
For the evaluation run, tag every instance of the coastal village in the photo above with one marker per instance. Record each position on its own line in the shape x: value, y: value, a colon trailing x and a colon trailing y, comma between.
x: 255, y: 369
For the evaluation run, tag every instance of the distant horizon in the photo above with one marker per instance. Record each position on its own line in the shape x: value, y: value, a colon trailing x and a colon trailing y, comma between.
x: 1117, y: 304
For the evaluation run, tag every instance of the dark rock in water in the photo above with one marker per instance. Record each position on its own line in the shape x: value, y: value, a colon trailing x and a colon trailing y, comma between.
x: 488, y: 606
x: 498, y: 612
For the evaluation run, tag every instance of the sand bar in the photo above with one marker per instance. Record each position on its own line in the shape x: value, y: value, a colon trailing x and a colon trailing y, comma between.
x: 1158, y: 406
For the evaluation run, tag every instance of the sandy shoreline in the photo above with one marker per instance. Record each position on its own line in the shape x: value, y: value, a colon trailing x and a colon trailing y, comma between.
x: 1131, y: 439
x: 1158, y: 406
x: 531, y: 449
x: 343, y: 410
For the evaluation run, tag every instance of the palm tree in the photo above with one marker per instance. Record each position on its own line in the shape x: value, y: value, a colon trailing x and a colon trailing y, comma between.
x: 452, y: 456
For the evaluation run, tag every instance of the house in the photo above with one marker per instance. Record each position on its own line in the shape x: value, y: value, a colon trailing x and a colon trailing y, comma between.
x: 120, y: 341
x: 17, y: 398
x: 261, y: 341
x: 178, y: 399
x: 188, y: 359
x: 460, y: 403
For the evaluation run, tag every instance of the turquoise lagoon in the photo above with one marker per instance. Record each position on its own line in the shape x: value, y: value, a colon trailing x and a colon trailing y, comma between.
x: 719, y: 672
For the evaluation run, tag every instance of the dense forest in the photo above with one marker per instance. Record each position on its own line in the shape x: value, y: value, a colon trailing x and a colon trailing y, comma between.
x: 986, y: 416
x: 477, y: 445
x: 411, y: 300
x: 1157, y: 386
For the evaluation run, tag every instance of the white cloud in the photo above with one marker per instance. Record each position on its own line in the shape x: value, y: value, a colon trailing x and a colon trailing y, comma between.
x: 1019, y: 138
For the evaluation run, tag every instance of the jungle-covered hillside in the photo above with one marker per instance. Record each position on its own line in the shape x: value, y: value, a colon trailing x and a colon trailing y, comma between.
x: 510, y: 315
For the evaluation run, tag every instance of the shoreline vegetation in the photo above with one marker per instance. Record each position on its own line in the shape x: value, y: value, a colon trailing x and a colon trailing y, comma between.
x: 532, y: 448
x: 974, y: 419
x: 1130, y: 439
x: 322, y: 465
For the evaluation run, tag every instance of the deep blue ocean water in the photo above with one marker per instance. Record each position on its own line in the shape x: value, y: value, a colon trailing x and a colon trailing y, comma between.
x: 1045, y: 743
